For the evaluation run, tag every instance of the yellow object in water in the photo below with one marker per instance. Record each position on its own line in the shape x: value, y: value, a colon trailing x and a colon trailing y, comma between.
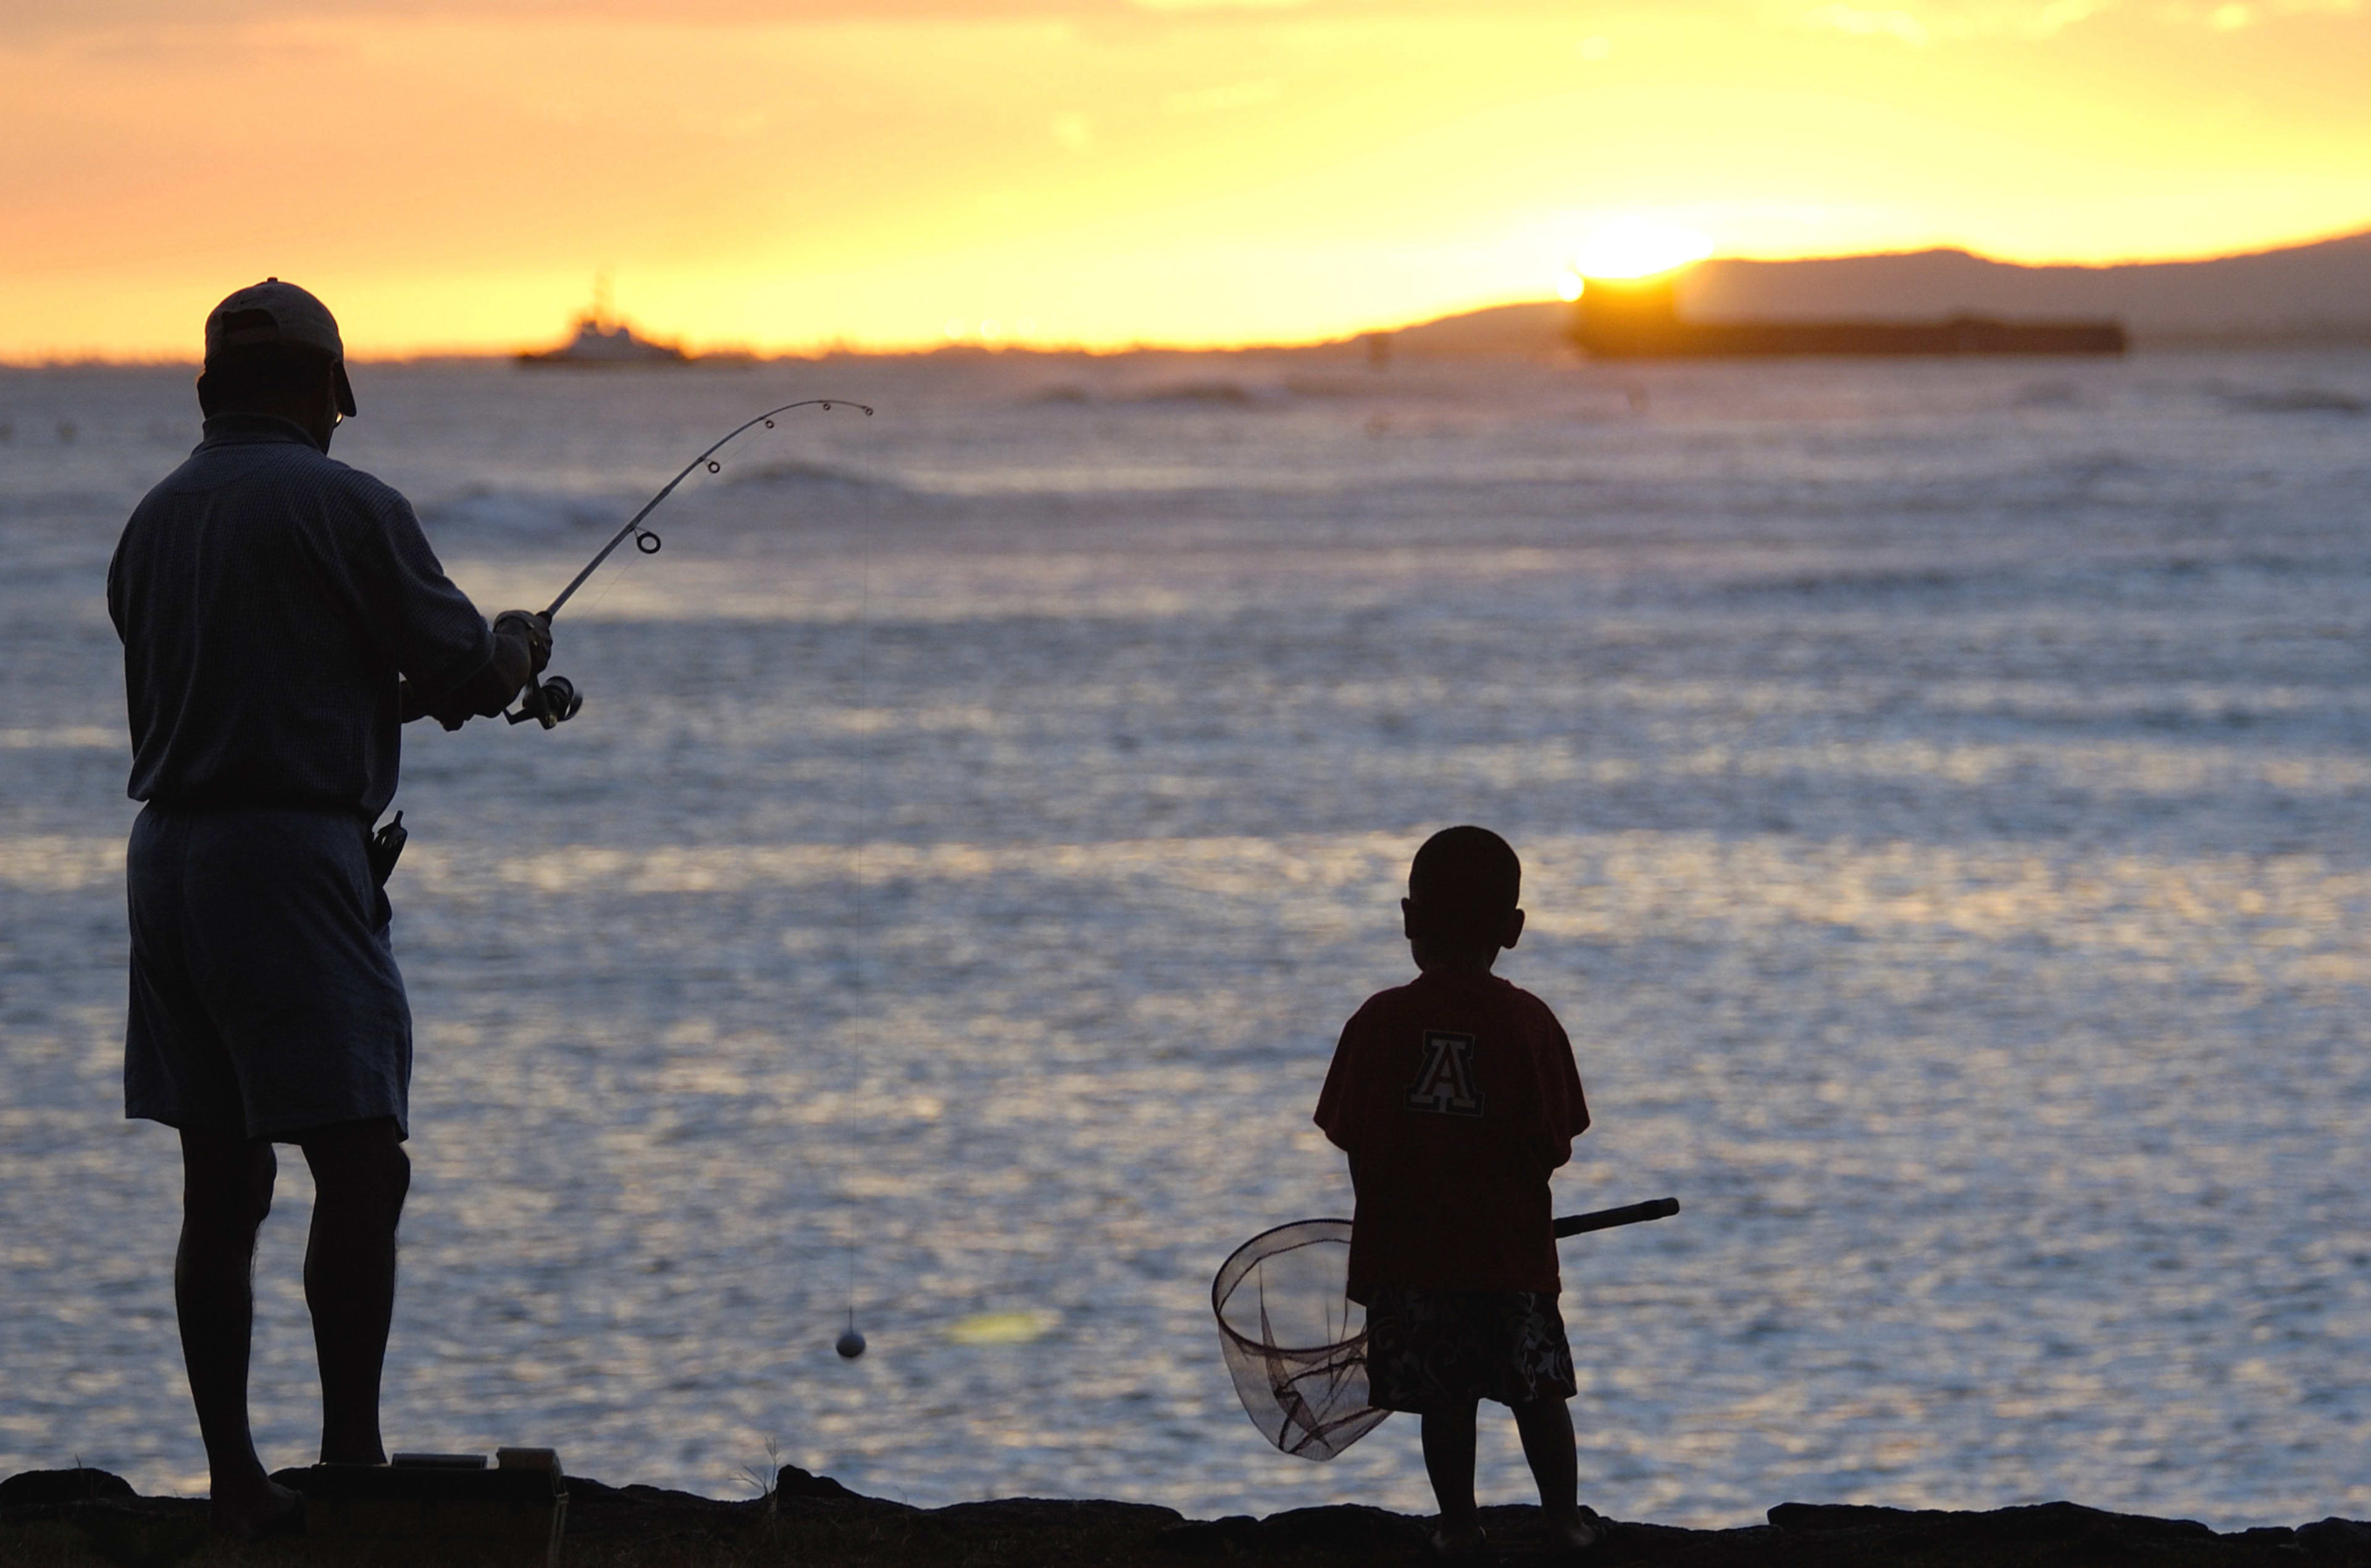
x: 1000, y: 1328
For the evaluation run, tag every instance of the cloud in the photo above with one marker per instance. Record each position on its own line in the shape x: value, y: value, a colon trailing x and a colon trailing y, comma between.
x: 1983, y: 18
x: 38, y: 19
x: 1871, y: 24
x: 89, y: 14
x: 2233, y: 16
x: 1224, y: 99
x: 2060, y: 15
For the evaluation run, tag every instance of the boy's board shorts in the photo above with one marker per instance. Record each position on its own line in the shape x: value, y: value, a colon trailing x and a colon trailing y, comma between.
x: 265, y: 999
x: 1431, y: 1350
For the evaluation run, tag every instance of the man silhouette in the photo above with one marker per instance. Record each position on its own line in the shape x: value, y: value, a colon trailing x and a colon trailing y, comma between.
x: 282, y: 615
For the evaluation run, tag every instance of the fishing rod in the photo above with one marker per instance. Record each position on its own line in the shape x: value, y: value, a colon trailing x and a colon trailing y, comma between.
x: 556, y: 700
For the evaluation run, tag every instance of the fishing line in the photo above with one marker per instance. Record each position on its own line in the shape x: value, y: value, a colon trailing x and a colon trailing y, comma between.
x: 648, y: 542
x: 556, y: 700
x: 851, y: 1344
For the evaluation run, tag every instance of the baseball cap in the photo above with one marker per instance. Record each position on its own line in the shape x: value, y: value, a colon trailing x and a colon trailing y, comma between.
x: 274, y: 312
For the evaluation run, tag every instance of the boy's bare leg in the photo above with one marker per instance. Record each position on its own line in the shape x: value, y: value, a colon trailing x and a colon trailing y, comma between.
x: 1546, y: 1427
x: 225, y: 1192
x: 1449, y: 1464
x: 360, y: 1178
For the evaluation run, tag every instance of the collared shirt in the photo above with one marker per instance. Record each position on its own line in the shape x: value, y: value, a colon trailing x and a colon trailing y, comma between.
x: 268, y: 599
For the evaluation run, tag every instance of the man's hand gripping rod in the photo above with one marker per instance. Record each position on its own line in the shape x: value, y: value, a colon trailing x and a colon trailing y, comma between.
x: 549, y: 702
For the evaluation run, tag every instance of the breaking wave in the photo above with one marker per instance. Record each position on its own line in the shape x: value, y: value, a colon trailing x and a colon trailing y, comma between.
x: 2295, y: 401
x: 487, y: 516
x: 814, y: 478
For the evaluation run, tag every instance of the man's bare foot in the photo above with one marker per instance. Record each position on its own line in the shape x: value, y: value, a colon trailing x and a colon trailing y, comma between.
x: 253, y: 1513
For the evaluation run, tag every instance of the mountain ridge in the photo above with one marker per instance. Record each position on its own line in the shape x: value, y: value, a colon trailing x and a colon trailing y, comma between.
x: 2316, y: 294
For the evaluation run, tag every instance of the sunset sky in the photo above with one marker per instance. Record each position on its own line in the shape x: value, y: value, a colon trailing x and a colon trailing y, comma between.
x: 782, y: 174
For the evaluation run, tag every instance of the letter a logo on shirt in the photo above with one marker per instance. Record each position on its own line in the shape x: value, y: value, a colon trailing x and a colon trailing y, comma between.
x: 1445, y: 1085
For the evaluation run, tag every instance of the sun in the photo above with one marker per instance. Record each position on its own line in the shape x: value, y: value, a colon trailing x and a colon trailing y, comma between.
x: 1636, y: 247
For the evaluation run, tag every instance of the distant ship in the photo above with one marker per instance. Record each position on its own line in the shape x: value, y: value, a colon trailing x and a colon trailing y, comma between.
x: 1639, y: 318
x: 605, y: 342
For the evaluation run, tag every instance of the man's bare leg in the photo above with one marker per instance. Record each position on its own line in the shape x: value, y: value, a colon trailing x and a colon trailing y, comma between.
x: 1546, y: 1427
x: 360, y: 1178
x: 225, y: 1192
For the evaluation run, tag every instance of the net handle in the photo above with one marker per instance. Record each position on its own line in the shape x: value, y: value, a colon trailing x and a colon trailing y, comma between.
x: 1238, y: 1262
x: 1606, y: 1219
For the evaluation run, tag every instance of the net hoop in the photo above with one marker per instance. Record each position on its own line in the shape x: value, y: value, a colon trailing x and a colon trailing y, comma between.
x: 1269, y: 1243
x: 1295, y: 1343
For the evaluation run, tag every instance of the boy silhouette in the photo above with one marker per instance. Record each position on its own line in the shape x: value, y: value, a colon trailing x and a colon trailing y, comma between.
x: 1454, y: 1096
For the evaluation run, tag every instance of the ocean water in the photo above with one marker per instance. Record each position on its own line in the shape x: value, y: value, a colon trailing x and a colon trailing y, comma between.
x: 1944, y: 790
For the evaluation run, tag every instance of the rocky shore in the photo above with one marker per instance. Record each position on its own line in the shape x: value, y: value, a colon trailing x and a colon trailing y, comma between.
x: 88, y: 1516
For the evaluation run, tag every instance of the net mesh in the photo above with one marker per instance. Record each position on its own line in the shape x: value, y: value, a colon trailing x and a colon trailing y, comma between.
x: 1296, y: 1343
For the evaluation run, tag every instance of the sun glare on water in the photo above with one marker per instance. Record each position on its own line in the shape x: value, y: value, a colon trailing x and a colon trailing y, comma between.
x: 1633, y: 247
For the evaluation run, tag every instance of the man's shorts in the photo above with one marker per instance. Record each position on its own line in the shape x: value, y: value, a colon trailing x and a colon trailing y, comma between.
x: 265, y: 999
x: 1438, y: 1350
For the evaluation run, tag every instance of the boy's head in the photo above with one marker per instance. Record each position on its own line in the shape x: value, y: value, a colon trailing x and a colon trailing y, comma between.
x: 1463, y: 887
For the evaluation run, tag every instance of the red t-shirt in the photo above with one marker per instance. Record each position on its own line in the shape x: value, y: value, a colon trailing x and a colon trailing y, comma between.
x: 1454, y: 1096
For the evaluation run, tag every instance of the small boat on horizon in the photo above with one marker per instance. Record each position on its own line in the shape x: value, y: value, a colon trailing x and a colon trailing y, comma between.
x: 604, y: 342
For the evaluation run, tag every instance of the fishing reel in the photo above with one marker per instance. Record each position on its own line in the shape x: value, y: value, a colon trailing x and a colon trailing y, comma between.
x: 548, y: 703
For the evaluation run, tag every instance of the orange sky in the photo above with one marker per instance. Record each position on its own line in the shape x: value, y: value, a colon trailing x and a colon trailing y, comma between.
x: 786, y: 173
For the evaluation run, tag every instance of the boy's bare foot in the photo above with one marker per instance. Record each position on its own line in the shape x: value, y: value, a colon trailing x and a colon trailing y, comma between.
x: 1582, y: 1531
x: 1457, y: 1543
x: 253, y: 1514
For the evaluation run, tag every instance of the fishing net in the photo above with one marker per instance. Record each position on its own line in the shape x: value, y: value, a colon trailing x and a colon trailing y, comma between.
x: 1296, y: 1343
